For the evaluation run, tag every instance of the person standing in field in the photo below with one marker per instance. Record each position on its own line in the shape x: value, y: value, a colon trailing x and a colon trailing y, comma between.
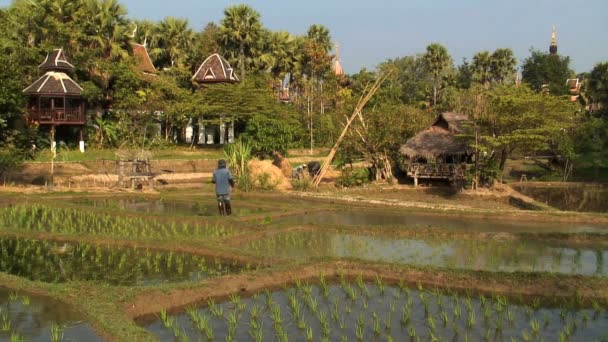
x: 222, y: 178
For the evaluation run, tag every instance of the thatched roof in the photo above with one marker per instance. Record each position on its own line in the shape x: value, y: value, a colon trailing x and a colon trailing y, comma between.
x: 54, y: 83
x: 144, y: 63
x: 438, y: 140
x: 215, y: 69
x: 56, y: 61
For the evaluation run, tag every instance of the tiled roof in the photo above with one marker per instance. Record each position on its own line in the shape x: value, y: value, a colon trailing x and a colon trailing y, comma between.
x: 56, y: 61
x: 144, y: 63
x: 56, y: 83
x: 215, y: 69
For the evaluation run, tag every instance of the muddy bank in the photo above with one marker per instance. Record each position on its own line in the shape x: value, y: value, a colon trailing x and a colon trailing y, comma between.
x: 37, y: 173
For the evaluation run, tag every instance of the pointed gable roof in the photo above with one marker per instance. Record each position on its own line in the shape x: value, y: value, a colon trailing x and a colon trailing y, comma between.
x: 56, y: 61
x: 215, y: 69
x: 54, y: 83
x: 144, y: 63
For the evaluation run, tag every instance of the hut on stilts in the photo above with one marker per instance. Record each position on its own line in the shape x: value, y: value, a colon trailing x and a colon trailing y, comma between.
x: 437, y: 153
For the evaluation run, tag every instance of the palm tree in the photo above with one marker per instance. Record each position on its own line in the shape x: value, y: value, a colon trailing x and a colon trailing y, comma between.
x: 283, y: 47
x: 240, y: 30
x: 320, y: 35
x: 175, y: 39
x: 438, y: 61
x: 482, y: 68
x: 106, y: 28
x: 502, y: 64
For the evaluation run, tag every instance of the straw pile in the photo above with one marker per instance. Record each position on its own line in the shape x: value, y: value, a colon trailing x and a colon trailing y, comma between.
x: 259, y: 167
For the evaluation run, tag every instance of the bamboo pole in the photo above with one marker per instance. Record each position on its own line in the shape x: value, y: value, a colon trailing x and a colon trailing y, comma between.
x: 357, y: 112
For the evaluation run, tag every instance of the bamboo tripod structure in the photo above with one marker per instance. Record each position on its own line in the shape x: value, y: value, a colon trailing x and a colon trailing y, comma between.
x: 357, y: 112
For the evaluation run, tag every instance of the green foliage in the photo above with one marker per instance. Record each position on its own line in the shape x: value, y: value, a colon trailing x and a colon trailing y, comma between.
x: 597, y: 88
x: 263, y: 181
x: 238, y: 155
x: 268, y: 134
x: 592, y: 143
x: 9, y: 160
x: 302, y: 184
x: 543, y: 68
x: 351, y: 177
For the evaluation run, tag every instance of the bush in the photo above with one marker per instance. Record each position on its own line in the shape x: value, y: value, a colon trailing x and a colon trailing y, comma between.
x: 302, y: 184
x: 9, y: 160
x: 353, y: 177
x: 263, y: 182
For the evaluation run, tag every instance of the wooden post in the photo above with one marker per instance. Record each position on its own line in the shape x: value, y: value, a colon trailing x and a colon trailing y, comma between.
x: 416, y: 181
x: 362, y: 102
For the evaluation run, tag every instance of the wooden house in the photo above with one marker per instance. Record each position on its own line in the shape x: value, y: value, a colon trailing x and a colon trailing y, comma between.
x: 55, y: 99
x: 214, y: 69
x: 437, y: 153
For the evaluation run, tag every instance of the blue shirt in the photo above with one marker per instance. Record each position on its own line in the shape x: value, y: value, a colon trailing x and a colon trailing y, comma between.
x: 221, y: 178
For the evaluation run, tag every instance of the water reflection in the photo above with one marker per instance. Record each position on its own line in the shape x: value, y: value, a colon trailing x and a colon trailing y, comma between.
x: 363, y: 218
x: 32, y: 317
x: 504, y: 256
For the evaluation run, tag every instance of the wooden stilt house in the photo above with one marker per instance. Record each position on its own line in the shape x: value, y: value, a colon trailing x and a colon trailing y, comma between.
x: 436, y: 153
x: 55, y: 99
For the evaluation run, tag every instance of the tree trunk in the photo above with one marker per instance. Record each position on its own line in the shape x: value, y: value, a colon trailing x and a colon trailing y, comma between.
x: 242, y: 62
x: 434, y: 93
x: 503, y: 159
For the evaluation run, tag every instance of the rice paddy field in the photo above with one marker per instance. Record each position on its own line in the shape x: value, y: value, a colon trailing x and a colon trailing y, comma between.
x: 296, y: 267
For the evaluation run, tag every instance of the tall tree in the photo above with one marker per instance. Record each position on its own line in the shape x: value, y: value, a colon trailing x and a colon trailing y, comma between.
x: 502, y: 64
x: 597, y: 88
x: 240, y: 30
x: 174, y: 40
x: 320, y: 35
x: 543, y: 69
x: 482, y: 68
x: 438, y: 61
x: 205, y: 44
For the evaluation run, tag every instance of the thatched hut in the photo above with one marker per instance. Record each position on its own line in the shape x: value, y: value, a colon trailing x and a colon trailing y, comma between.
x: 437, y: 153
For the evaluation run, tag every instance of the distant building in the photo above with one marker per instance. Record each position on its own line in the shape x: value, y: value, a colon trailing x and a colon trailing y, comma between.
x: 214, y: 69
x: 55, y: 99
x: 553, y: 46
x: 142, y: 58
x: 436, y: 153
x: 336, y: 67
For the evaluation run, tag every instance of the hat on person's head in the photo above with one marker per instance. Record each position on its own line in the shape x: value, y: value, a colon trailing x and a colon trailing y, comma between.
x: 221, y: 163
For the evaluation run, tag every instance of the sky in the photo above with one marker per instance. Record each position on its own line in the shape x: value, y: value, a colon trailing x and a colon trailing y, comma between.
x: 372, y: 31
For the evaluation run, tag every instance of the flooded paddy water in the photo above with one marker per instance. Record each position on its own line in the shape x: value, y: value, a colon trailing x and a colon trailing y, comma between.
x: 503, y: 256
x: 24, y: 317
x: 166, y: 206
x: 63, y: 262
x: 359, y: 311
x: 380, y: 218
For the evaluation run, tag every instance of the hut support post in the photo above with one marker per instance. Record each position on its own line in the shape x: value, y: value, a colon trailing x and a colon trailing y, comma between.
x: 416, y: 181
x: 81, y: 142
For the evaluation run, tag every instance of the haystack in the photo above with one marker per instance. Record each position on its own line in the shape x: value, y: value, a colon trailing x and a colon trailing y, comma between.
x: 282, y: 163
x: 259, y: 167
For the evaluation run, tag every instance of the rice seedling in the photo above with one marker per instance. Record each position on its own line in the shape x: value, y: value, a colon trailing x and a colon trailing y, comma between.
x: 216, y: 310
x: 359, y: 332
x: 309, y: 334
x: 17, y: 337
x: 6, y: 323
x: 56, y: 332
x: 375, y: 323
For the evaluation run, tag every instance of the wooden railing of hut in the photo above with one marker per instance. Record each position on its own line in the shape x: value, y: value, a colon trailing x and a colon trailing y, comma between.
x: 447, y: 171
x: 64, y: 116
